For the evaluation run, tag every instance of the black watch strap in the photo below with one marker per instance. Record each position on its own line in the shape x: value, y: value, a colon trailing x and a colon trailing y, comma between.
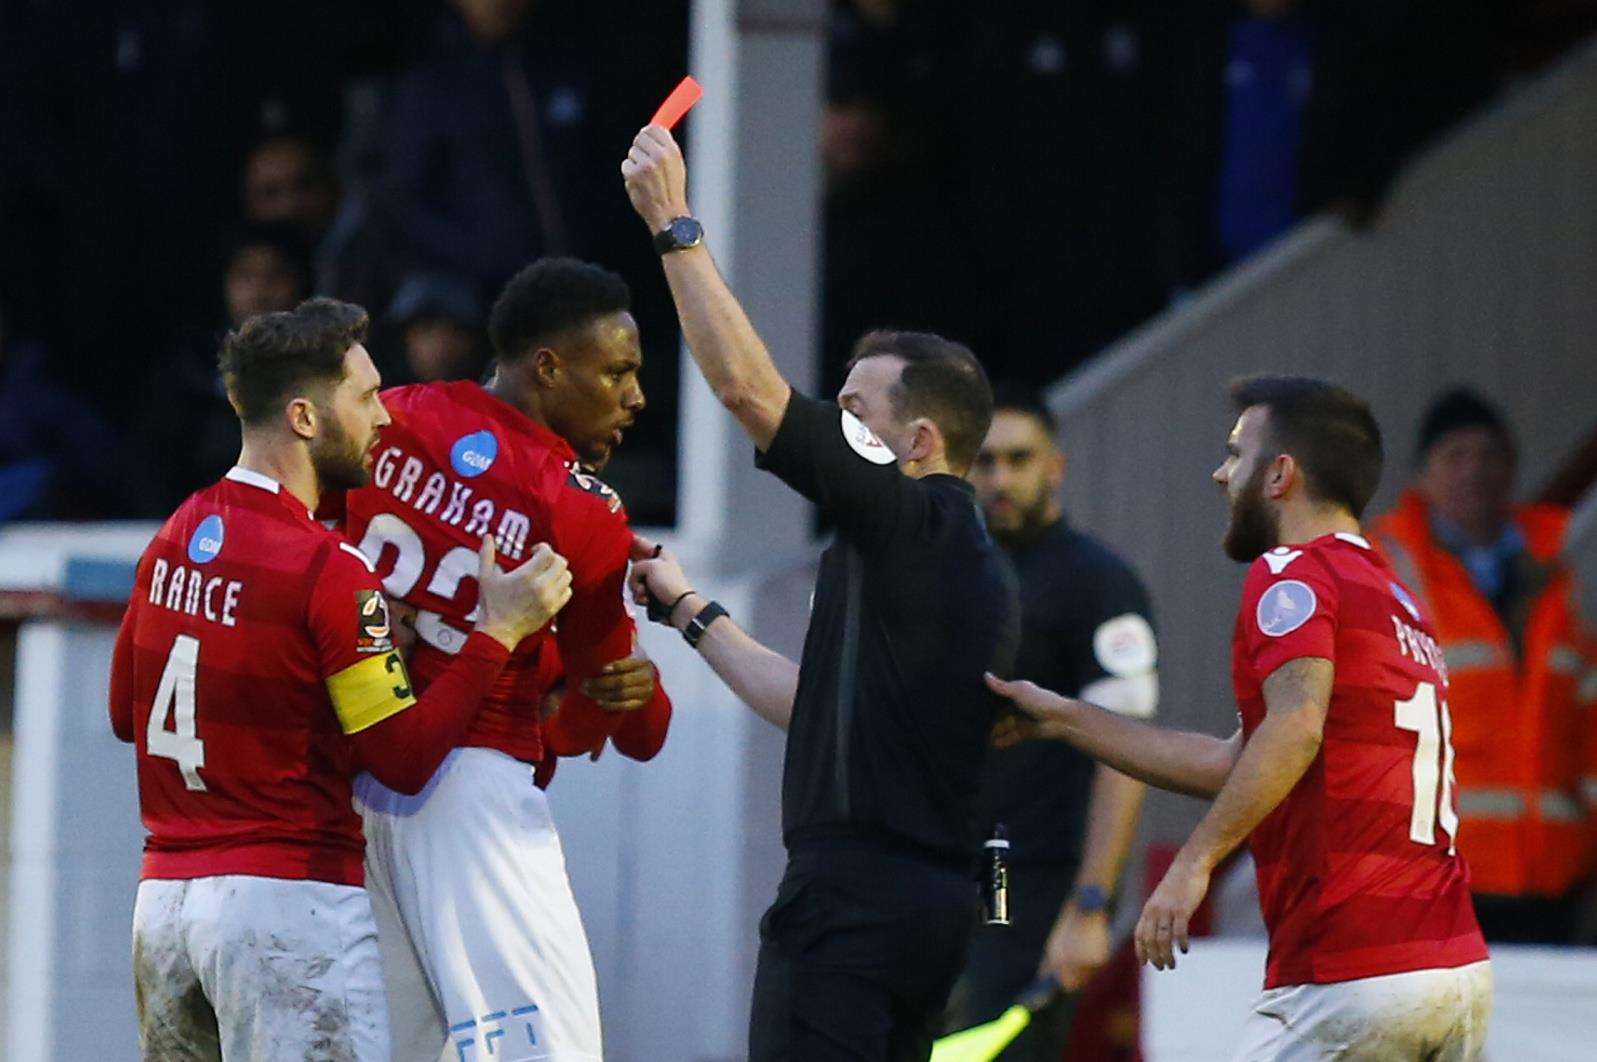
x: 701, y: 622
x: 679, y: 234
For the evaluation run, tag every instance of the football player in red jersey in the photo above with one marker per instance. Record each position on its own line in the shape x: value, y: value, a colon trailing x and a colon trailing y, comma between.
x: 253, y: 670
x: 481, y: 938
x: 1340, y: 776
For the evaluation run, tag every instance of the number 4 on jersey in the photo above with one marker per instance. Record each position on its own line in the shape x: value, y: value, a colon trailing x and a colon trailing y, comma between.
x: 176, y: 695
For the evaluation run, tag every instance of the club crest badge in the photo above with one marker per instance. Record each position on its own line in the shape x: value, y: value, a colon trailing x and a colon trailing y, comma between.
x: 1285, y: 607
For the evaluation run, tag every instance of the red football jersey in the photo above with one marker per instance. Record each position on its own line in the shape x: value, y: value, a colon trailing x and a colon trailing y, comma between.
x: 457, y: 464
x: 254, y: 642
x: 1357, y: 868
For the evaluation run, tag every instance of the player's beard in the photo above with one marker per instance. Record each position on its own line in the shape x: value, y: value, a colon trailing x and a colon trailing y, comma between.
x: 1254, y: 527
x: 339, y: 462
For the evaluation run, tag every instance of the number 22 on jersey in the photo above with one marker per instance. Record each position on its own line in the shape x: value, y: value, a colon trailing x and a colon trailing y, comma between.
x: 1427, y: 716
x: 175, y: 697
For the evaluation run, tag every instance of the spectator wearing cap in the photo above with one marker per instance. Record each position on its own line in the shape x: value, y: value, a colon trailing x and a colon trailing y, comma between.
x: 439, y: 320
x: 1522, y: 685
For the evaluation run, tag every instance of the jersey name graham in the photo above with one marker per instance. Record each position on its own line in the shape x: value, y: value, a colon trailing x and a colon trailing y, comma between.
x: 456, y: 464
x: 450, y: 501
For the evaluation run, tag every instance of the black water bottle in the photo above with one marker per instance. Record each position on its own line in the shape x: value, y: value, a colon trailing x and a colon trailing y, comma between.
x: 995, y: 878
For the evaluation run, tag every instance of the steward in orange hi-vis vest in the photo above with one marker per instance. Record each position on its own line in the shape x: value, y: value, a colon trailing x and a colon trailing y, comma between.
x: 1522, y: 696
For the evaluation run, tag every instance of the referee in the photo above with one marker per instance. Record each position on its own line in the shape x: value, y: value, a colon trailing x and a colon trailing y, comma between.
x: 887, y: 716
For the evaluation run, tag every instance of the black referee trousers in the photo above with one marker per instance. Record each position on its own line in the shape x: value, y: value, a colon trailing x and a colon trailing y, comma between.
x: 858, y: 954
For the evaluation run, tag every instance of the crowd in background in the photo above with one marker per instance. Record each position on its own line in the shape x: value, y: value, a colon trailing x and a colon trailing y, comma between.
x: 1034, y: 178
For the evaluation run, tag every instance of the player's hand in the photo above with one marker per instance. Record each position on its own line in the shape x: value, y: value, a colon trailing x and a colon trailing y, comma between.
x: 1042, y: 713
x: 518, y: 603
x: 1077, y: 948
x: 656, y: 177
x: 624, y: 685
x: 654, y: 569
x: 1163, y: 925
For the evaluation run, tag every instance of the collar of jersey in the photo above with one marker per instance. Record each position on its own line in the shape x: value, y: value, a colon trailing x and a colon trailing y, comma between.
x: 261, y: 481
x: 468, y: 393
x: 1341, y: 536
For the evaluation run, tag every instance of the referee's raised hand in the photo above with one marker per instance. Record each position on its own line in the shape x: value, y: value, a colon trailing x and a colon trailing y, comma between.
x: 656, y: 177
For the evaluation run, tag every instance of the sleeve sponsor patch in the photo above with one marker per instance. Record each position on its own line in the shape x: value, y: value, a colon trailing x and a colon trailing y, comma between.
x: 864, y: 442
x: 374, y: 630
x: 366, y: 693
x: 1125, y: 645
x: 586, y: 481
x: 1285, y: 607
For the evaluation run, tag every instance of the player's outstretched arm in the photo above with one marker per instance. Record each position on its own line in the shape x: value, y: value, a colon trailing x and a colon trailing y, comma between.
x: 762, y: 678
x: 724, y: 343
x: 1177, y: 760
x: 1297, y: 696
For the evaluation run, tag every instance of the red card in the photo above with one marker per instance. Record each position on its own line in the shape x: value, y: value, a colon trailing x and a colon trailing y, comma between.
x: 680, y: 102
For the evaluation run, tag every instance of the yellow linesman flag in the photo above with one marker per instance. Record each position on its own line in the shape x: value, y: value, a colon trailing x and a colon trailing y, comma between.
x: 982, y: 1043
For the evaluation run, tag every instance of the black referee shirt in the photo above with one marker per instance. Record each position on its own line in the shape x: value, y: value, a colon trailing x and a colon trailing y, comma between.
x: 1086, y: 618
x: 914, y: 600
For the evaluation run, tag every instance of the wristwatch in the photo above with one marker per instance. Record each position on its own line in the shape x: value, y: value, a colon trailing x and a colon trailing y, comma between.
x: 678, y: 235
x: 701, y: 622
x: 1090, y: 899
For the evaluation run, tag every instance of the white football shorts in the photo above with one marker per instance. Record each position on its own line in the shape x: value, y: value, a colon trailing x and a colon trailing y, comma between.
x: 1423, y: 1015
x: 484, y: 954
x: 245, y: 967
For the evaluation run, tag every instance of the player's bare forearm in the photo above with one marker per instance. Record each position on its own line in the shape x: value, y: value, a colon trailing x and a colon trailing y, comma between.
x: 762, y: 678
x: 1112, y: 812
x: 728, y: 351
x: 1296, y: 695
x: 724, y: 344
x: 1178, y: 760
x: 1181, y: 761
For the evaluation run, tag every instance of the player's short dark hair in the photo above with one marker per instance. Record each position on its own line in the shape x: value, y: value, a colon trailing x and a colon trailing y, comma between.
x: 549, y: 297
x: 272, y: 355
x: 1012, y: 396
x: 1329, y: 431
x: 942, y: 380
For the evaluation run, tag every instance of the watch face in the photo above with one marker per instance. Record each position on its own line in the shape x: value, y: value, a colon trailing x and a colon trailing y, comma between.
x: 685, y: 232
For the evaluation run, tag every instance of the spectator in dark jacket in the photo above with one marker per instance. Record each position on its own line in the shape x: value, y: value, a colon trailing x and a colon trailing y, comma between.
x: 186, y: 422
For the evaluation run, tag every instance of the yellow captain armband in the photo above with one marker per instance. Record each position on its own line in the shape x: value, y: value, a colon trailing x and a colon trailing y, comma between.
x: 366, y: 693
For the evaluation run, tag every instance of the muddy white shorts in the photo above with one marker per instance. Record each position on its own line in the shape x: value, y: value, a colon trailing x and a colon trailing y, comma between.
x: 484, y: 954
x: 1422, y: 1015
x: 244, y: 967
